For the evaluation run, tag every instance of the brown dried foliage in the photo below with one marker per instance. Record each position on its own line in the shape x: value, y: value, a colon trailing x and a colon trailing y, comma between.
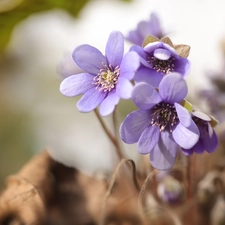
x: 49, y: 193
x: 45, y: 192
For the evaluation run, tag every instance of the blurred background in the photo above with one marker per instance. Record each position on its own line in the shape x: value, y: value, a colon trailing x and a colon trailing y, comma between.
x: 36, y: 41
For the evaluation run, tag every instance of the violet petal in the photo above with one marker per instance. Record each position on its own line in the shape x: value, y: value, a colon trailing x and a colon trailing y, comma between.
x: 89, y: 58
x: 143, y: 56
x: 90, y: 100
x: 149, y: 48
x: 155, y: 26
x: 210, y: 143
x: 210, y: 130
x: 139, y: 50
x: 183, y: 115
x: 198, y: 147
x: 124, y: 88
x: 108, y: 104
x: 149, y: 138
x: 163, y: 155
x: 145, y: 96
x: 134, y: 37
x: 201, y: 115
x: 76, y: 84
x: 115, y: 48
x: 129, y: 65
x: 173, y: 88
x: 143, y: 28
x: 182, y: 66
x: 162, y: 54
x: 133, y: 125
x: 149, y: 76
x: 186, y: 137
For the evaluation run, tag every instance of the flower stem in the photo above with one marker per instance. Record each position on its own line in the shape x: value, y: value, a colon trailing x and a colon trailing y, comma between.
x: 189, y: 188
x: 109, y: 134
x: 189, y: 180
x: 112, y: 182
x: 115, y: 122
x: 143, y: 189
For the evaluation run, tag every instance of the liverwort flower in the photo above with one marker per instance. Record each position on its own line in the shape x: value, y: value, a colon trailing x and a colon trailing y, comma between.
x: 106, y: 78
x: 161, y: 124
x: 208, y: 140
x: 170, y: 190
x: 144, y: 28
x: 159, y: 59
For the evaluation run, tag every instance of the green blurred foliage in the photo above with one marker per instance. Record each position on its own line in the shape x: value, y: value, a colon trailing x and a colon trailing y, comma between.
x: 16, y: 130
x: 10, y: 16
x: 13, y: 11
x: 16, y: 137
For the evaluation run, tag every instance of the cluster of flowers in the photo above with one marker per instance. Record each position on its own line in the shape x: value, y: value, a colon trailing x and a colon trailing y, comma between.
x: 153, y: 76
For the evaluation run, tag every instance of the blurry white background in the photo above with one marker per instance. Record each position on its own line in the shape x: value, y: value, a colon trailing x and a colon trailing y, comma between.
x: 41, y: 42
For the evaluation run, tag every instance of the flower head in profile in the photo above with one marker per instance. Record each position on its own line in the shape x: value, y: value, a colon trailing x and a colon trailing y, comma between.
x: 208, y: 140
x: 159, y: 58
x: 106, y: 78
x: 161, y: 124
x: 144, y: 28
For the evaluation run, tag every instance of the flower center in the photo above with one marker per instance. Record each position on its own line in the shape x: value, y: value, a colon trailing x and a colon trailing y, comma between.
x: 107, y: 78
x: 164, y: 115
x: 164, y: 66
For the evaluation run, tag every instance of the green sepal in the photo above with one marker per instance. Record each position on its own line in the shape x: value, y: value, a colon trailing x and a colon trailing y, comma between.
x: 213, y: 121
x: 187, y: 105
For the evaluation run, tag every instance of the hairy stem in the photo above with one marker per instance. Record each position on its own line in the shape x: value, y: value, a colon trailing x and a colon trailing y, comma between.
x: 109, y: 134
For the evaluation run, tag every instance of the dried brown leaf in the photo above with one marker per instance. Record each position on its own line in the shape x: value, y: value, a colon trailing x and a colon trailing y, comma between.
x: 182, y: 50
x: 47, y: 192
x: 23, y: 200
x: 149, y: 39
x: 166, y: 40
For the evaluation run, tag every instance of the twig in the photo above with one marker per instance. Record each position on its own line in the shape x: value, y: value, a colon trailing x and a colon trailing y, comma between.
x: 173, y: 216
x: 112, y: 181
x: 111, y: 137
x: 141, y: 194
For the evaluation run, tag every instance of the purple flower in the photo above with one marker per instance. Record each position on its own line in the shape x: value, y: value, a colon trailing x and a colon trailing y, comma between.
x: 157, y: 60
x: 170, y: 190
x: 145, y: 28
x: 208, y: 139
x: 107, y: 78
x: 162, y: 124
